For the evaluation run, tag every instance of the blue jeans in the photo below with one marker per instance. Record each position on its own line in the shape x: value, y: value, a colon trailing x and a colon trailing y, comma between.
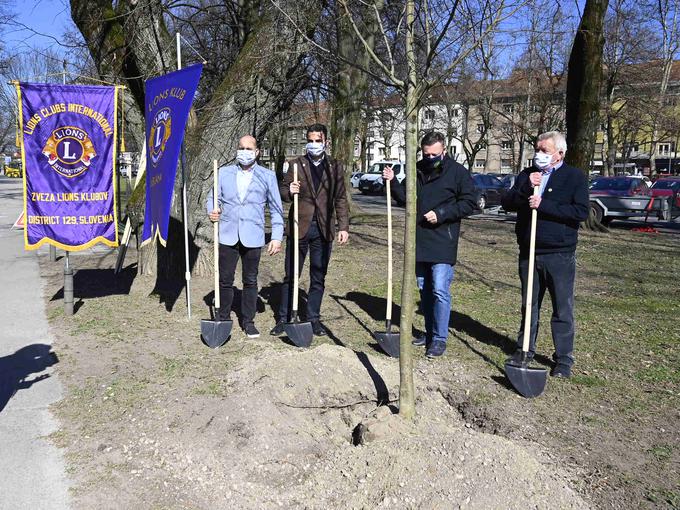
x: 434, y: 283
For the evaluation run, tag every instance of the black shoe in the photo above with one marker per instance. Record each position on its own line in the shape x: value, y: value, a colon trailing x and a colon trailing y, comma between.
x: 435, y: 349
x: 251, y: 331
x: 420, y: 341
x: 279, y: 328
x: 561, y: 372
x: 318, y: 328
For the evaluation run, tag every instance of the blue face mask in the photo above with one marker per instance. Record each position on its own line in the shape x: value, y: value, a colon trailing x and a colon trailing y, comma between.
x: 315, y: 148
x: 246, y: 157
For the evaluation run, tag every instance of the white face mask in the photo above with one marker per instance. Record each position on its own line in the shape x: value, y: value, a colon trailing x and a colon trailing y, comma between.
x: 246, y: 157
x: 542, y: 160
x: 315, y: 148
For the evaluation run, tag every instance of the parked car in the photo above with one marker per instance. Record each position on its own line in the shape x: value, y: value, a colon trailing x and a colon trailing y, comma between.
x: 666, y: 187
x: 354, y: 179
x: 372, y: 182
x: 619, y: 197
x: 508, y: 180
x: 489, y: 190
x: 643, y: 177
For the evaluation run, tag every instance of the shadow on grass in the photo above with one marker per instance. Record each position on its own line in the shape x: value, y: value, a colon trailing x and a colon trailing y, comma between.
x: 484, y: 334
x: 209, y: 300
x: 96, y: 283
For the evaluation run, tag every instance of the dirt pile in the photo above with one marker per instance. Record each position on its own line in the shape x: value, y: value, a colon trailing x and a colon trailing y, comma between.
x: 282, y: 438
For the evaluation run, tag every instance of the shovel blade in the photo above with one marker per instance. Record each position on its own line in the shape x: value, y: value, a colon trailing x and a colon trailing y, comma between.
x: 300, y: 333
x: 529, y: 382
x: 388, y: 342
x: 215, y: 333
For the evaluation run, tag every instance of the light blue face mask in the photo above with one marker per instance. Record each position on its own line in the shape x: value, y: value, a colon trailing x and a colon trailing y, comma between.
x: 245, y: 157
x: 542, y: 160
x: 315, y: 148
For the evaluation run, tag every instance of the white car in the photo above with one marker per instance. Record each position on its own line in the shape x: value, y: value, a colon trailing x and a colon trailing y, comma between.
x: 354, y: 179
x: 372, y: 181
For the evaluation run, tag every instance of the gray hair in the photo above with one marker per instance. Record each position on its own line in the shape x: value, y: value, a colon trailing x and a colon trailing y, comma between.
x: 558, y: 139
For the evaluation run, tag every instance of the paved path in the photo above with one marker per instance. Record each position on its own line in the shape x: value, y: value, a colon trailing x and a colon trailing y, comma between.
x: 33, y: 470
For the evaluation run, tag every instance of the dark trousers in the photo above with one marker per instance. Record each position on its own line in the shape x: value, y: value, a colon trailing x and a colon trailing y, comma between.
x: 250, y: 260
x: 554, y: 272
x: 319, y: 256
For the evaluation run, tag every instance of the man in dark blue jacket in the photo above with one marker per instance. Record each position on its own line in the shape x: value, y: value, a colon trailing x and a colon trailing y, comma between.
x: 446, y: 194
x: 562, y: 204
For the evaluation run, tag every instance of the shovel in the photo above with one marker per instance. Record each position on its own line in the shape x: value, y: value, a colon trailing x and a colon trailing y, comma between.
x: 215, y: 332
x: 388, y: 341
x: 528, y: 381
x: 300, y: 333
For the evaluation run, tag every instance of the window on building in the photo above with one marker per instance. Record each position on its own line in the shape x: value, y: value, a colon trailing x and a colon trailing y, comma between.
x: 293, y: 135
x: 429, y: 114
x: 456, y: 112
x: 631, y: 147
x: 506, y: 145
x: 291, y: 151
x: 480, y: 128
x: 506, y: 164
x: 664, y: 149
x: 265, y: 153
x: 479, y: 163
x: 529, y: 162
x: 452, y: 150
x: 508, y: 108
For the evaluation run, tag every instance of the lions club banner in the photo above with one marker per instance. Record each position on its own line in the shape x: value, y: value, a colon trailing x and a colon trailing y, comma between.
x: 168, y: 101
x: 69, y: 151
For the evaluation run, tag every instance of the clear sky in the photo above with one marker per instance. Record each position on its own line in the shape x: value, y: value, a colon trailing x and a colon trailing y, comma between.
x: 38, y: 24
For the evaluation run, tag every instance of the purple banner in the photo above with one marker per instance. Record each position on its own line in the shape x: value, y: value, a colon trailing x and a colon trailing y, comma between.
x: 69, y: 151
x: 168, y: 101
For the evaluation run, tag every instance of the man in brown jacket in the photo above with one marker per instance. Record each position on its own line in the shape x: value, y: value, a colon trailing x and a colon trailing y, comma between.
x: 322, y: 200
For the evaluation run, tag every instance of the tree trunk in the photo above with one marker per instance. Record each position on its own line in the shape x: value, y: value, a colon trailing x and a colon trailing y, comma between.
x: 407, y: 404
x: 610, y: 161
x: 583, y: 85
x: 351, y: 87
x: 583, y: 91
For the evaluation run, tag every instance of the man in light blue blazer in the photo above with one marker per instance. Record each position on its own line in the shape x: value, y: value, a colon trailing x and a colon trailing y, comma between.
x: 244, y: 190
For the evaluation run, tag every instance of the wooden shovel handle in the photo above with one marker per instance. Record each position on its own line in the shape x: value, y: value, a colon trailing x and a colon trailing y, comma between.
x: 530, y: 277
x: 296, y: 261
x: 388, y: 193
x: 216, y: 235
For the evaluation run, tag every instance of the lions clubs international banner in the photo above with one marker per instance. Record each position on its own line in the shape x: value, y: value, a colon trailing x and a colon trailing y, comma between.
x: 168, y: 101
x: 68, y: 150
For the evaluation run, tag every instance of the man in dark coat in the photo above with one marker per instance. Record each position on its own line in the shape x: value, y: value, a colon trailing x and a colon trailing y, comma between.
x: 445, y: 195
x: 562, y: 204
x: 322, y: 200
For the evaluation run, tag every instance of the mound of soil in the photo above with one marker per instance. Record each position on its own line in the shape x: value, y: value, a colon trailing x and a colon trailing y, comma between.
x: 282, y: 437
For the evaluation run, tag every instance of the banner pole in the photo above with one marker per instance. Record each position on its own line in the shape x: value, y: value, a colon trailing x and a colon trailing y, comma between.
x: 68, y: 270
x: 53, y: 249
x: 187, y: 270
